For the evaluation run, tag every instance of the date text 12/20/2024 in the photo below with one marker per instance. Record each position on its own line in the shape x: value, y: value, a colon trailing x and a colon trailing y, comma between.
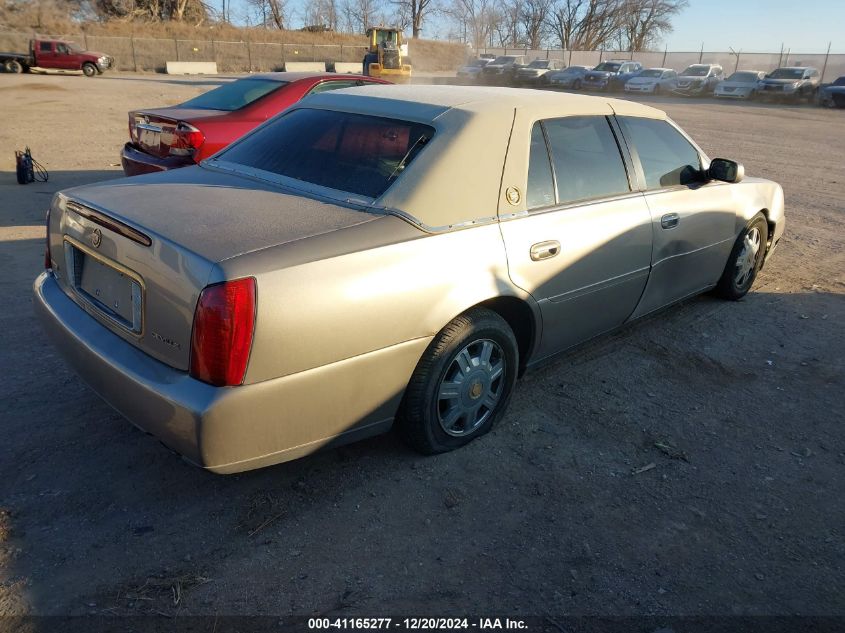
x: 421, y: 624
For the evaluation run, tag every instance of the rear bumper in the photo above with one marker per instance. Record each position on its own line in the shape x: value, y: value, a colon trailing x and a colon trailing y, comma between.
x: 136, y: 162
x: 230, y: 429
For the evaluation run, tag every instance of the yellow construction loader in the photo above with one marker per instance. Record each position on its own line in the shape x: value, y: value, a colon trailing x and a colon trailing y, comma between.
x: 388, y: 55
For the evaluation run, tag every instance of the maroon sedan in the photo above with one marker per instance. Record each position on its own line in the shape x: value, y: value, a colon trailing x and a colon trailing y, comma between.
x: 185, y: 134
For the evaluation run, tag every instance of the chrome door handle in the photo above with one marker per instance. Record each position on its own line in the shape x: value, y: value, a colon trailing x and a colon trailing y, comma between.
x: 545, y: 250
x: 670, y: 220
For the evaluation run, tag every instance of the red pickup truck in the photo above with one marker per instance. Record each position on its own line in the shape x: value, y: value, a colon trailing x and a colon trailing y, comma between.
x: 56, y: 55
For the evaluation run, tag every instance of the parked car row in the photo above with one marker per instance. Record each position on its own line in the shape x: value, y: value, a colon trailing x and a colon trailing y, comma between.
x: 792, y: 83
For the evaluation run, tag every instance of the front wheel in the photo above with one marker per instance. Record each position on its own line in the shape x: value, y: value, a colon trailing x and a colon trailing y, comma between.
x: 576, y: 84
x: 461, y: 385
x: 89, y: 70
x: 745, y: 260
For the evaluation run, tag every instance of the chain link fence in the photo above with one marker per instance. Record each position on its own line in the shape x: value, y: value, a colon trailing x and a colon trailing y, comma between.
x: 831, y: 65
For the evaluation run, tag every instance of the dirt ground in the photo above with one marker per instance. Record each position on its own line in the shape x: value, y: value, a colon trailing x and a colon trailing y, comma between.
x: 738, y: 406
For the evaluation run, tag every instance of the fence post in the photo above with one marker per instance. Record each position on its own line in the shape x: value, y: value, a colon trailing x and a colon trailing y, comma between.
x: 665, y: 50
x: 701, y: 54
x: 570, y: 57
x: 826, y: 55
x: 176, y: 42
x: 313, y: 52
x: 213, y: 51
x: 601, y: 55
x: 341, y: 53
x: 780, y: 57
x: 134, y: 60
x: 85, y: 39
x: 249, y: 55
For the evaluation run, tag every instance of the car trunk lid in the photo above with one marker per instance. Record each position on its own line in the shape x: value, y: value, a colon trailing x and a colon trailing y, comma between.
x: 155, y: 131
x: 136, y: 253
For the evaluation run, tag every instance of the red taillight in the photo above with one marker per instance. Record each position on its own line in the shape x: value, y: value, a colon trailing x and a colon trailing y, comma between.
x: 133, y: 131
x: 222, y: 336
x: 186, y: 139
x: 48, y: 263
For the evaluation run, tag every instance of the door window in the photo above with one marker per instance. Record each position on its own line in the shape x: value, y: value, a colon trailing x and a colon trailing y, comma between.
x: 45, y: 47
x: 668, y: 159
x: 586, y: 159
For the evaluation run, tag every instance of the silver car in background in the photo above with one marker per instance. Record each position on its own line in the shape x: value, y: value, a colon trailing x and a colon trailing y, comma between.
x: 570, y: 77
x: 698, y: 79
x: 741, y: 85
x: 471, y: 71
x: 388, y: 255
x: 652, y: 81
x: 535, y: 73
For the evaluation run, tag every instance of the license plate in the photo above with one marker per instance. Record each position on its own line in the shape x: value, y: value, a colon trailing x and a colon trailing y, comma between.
x: 148, y: 138
x: 112, y: 292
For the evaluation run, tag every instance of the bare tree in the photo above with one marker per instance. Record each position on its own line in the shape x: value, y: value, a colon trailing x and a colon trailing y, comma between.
x: 586, y: 24
x: 646, y: 20
x: 414, y: 11
x: 475, y: 20
x: 534, y: 16
x: 507, y: 22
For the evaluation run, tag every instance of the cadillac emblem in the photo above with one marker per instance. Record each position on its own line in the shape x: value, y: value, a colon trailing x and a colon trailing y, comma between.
x: 96, y: 238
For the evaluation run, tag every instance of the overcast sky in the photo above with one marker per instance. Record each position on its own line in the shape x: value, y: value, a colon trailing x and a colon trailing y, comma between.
x: 804, y: 26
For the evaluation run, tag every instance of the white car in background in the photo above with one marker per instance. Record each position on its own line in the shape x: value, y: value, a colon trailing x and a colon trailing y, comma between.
x: 652, y: 80
x: 741, y: 85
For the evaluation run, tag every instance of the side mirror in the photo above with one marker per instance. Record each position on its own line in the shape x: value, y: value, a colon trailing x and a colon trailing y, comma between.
x: 725, y: 170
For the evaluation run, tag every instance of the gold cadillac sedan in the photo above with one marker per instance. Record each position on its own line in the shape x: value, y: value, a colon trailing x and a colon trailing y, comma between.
x: 384, y: 256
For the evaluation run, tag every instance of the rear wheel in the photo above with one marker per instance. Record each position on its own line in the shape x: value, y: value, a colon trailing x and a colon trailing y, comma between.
x: 576, y: 84
x: 14, y: 66
x: 89, y: 70
x: 657, y: 89
x: 745, y: 260
x: 462, y: 383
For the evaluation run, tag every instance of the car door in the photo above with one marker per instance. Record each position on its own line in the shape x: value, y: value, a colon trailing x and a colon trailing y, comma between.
x: 580, y: 241
x: 46, y: 57
x: 693, y: 221
x: 65, y: 59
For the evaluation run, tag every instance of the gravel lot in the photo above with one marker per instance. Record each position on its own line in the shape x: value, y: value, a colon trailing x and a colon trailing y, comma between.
x: 738, y: 406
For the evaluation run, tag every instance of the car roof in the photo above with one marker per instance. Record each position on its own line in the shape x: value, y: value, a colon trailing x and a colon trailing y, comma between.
x: 431, y: 101
x: 663, y: 70
x: 794, y: 68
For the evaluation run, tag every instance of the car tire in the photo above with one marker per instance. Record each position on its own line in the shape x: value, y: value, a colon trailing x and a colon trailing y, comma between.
x: 89, y: 70
x: 745, y: 260
x: 657, y: 90
x: 576, y: 85
x: 461, y: 385
x: 14, y: 66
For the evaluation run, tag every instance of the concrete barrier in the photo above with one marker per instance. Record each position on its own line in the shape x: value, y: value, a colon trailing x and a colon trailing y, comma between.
x: 191, y: 68
x: 349, y: 67
x: 305, y: 67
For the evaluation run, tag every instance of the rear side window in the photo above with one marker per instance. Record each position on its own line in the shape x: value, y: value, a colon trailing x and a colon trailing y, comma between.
x: 541, y: 186
x: 350, y: 152
x: 586, y: 159
x: 234, y: 95
x: 45, y: 47
x: 335, y: 85
x: 668, y: 159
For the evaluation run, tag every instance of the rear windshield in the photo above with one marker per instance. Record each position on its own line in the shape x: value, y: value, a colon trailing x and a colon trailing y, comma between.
x: 539, y: 63
x: 235, y: 95
x: 840, y: 81
x: 355, y: 153
x: 696, y: 71
x: 505, y: 59
x: 741, y: 76
x: 608, y: 67
x: 651, y: 73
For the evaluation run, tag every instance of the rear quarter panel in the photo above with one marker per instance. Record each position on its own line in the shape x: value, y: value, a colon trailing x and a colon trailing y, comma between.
x: 366, y: 288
